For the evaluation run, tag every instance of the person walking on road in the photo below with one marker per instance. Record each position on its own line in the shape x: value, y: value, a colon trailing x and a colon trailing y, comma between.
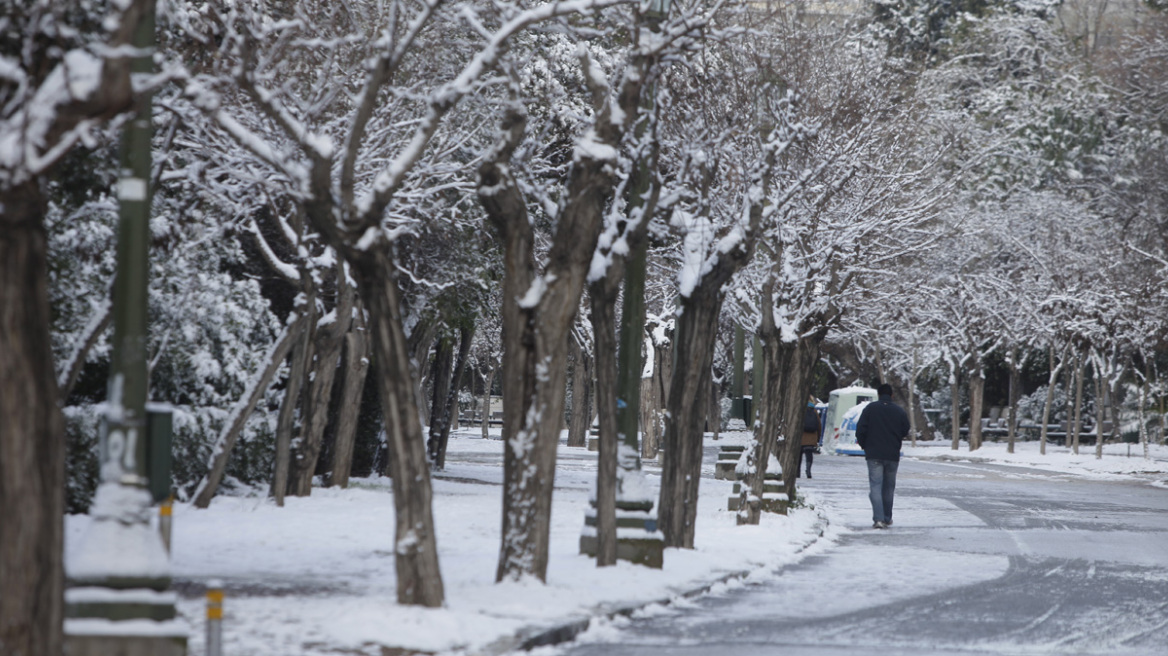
x: 810, y: 442
x: 882, y: 427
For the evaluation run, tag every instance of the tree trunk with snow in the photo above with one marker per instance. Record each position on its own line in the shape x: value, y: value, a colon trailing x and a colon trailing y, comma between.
x: 356, y: 364
x: 976, y: 403
x: 221, y: 453
x: 85, y: 343
x: 419, y: 580
x: 450, y: 404
x: 787, y: 368
x: 1056, y: 367
x: 602, y: 302
x: 955, y: 403
x: 286, y: 421
x: 1015, y: 395
x: 539, y: 310
x: 329, y: 344
x: 1076, y: 424
x: 697, y: 328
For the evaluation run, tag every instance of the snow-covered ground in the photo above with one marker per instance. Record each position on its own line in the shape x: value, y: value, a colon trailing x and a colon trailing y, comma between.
x: 317, y: 576
x: 1118, y: 461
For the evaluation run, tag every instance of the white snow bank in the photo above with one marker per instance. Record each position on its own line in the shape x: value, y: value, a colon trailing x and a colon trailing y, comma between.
x: 1118, y: 461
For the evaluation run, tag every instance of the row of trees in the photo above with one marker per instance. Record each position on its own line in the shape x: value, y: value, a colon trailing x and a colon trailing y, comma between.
x: 392, y: 195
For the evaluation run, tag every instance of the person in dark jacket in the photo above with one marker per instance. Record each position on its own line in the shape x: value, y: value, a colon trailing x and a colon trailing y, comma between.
x: 810, y: 440
x: 882, y: 427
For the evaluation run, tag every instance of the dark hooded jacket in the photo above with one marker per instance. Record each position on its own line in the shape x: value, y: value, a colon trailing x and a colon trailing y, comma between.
x: 882, y: 427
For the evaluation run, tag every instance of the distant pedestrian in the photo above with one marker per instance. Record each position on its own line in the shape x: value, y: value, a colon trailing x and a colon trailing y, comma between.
x: 882, y: 427
x: 810, y: 443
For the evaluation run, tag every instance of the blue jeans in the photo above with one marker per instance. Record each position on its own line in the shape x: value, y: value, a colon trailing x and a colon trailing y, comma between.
x: 881, y: 485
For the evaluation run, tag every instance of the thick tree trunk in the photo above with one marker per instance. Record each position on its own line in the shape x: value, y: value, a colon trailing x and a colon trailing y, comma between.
x: 602, y: 296
x: 246, y: 405
x: 535, y: 331
x: 976, y: 402
x: 419, y: 579
x: 32, y: 446
x: 356, y: 369
x: 450, y: 411
x: 685, y: 421
x: 581, y: 395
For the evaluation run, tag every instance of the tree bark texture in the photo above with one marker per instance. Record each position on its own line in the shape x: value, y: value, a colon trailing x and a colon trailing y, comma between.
x: 246, y: 405
x: 1076, y: 424
x: 450, y: 411
x: 1015, y: 396
x: 441, y: 370
x: 356, y: 364
x: 697, y: 328
x: 786, y: 383
x: 1056, y: 366
x: 955, y: 404
x: 581, y: 395
x: 535, y: 331
x: 32, y: 446
x: 976, y: 401
x: 329, y: 342
x: 287, y: 419
x: 419, y: 579
x: 487, y: 385
x: 602, y: 295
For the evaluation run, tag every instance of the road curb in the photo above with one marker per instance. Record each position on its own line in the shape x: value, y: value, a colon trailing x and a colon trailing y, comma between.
x: 566, y: 631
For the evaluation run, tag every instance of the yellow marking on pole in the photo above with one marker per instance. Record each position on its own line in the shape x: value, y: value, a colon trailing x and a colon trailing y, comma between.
x: 214, y: 596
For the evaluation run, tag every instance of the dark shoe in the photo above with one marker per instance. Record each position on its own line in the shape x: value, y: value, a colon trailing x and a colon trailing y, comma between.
x: 808, y: 473
x: 880, y: 525
x: 887, y: 523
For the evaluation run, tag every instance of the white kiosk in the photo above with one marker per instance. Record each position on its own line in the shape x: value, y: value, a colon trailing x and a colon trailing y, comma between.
x: 843, y: 411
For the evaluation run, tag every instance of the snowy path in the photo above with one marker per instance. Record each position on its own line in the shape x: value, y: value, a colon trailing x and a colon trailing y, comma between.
x: 982, y: 559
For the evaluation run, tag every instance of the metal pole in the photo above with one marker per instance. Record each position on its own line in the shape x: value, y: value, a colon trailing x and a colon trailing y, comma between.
x: 214, y: 618
x: 165, y: 521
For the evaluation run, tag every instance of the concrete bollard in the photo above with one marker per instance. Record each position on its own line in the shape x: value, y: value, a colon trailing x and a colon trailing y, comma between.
x: 165, y: 515
x: 214, y: 618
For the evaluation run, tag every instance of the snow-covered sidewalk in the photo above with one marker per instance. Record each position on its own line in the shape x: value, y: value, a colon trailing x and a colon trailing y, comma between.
x: 1118, y: 461
x: 317, y: 576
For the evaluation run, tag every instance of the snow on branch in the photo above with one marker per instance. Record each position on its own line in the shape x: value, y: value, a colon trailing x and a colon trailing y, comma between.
x: 441, y: 101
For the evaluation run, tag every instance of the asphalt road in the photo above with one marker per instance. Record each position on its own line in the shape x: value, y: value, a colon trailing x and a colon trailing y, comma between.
x: 981, y: 559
